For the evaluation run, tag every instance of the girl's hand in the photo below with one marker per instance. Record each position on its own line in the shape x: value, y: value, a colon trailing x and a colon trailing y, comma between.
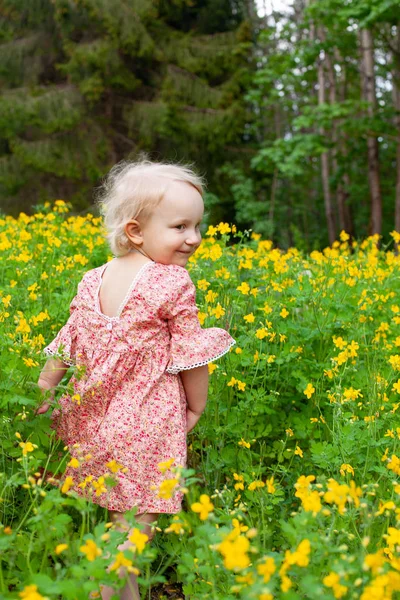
x: 191, y: 419
x: 42, y: 408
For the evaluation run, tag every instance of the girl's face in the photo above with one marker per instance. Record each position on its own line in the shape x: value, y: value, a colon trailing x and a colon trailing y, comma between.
x: 172, y: 233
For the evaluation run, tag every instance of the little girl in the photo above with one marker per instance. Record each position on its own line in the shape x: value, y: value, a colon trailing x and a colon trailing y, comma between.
x: 134, y: 335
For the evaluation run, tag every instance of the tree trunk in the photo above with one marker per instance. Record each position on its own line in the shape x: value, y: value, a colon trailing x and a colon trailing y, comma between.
x: 342, y: 195
x: 329, y: 212
x: 396, y: 94
x: 368, y: 80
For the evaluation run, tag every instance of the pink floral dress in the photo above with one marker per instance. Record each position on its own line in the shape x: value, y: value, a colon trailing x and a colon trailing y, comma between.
x: 129, y: 403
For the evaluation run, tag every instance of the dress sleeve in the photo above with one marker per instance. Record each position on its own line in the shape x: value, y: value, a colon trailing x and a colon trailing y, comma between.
x: 64, y: 344
x: 190, y: 345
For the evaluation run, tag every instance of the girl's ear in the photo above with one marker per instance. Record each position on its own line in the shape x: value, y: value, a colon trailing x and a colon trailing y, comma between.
x: 133, y: 232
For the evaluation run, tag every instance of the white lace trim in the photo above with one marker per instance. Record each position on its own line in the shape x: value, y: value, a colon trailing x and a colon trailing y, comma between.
x: 59, y: 355
x: 174, y: 370
x: 128, y: 293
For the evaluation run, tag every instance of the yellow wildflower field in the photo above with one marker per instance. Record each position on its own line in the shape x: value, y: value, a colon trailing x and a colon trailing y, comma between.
x: 293, y: 483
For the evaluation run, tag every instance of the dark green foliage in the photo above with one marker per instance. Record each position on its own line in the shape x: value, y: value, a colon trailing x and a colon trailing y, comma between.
x: 89, y: 82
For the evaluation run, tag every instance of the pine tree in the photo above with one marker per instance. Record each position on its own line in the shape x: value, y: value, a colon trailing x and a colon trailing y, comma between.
x: 89, y: 82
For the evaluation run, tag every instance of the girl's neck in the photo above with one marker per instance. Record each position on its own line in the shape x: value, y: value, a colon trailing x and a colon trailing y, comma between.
x: 132, y: 250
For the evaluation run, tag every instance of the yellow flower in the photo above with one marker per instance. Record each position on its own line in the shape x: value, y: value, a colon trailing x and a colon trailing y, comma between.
x: 30, y: 593
x: 91, y: 550
x: 68, y: 483
x: 394, y: 360
x: 311, y: 501
x: 234, y: 550
x: 224, y: 228
x: 165, y: 466
x: 261, y: 333
x: 30, y: 362
x: 255, y: 484
x: 74, y: 463
x: 339, y: 342
x: 232, y: 382
x: 374, y: 562
x: 211, y: 296
x: 211, y: 368
x: 337, y: 494
x: 204, y: 507
x: 99, y: 486
x: 76, y: 398
x: 270, y: 485
x: 138, y: 540
x: 87, y: 480
x: 215, y: 252
x: 384, y: 506
x: 60, y: 548
x: 346, y: 468
x: 309, y: 391
x: 239, y: 479
x: 6, y: 300
x: 286, y: 584
x: 396, y: 387
x: 114, y: 466
x: 122, y: 561
x: 244, y: 288
x: 394, y: 464
x: 238, y: 526
x: 352, y: 394
x: 177, y: 526
x: 202, y: 317
x: 332, y: 581
x: 167, y: 487
x: 284, y: 313
x: 241, y: 385
x: 250, y: 318
x: 27, y: 447
x: 211, y: 231
x: 218, y: 311
x: 203, y: 284
x: 267, y: 569
x: 289, y: 432
x: 299, y: 451
x: 392, y: 537
x: 244, y: 444
x: 301, y: 556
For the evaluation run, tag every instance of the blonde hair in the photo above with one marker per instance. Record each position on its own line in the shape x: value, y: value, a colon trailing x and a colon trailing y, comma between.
x: 132, y: 190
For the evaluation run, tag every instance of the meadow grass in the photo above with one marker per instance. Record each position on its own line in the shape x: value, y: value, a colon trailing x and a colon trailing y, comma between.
x: 293, y: 483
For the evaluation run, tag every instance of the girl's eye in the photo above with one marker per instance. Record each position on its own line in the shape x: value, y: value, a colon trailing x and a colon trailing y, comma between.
x: 180, y: 227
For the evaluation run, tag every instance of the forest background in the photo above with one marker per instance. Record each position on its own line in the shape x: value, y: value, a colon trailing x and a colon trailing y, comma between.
x: 293, y: 116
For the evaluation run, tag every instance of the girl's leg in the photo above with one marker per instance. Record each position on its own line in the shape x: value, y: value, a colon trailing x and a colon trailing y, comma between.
x: 130, y: 591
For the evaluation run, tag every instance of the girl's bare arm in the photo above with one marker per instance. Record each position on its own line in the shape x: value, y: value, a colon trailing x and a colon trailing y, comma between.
x: 51, y: 375
x: 195, y: 382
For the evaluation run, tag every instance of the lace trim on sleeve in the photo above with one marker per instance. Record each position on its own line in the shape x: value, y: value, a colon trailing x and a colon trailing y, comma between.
x: 59, y: 355
x: 174, y: 369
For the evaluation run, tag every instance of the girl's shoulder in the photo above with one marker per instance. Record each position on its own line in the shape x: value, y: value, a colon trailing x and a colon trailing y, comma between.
x: 173, y: 277
x: 89, y: 280
x: 165, y: 283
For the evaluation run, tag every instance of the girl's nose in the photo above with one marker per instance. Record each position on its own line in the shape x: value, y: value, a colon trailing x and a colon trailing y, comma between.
x: 194, y: 238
